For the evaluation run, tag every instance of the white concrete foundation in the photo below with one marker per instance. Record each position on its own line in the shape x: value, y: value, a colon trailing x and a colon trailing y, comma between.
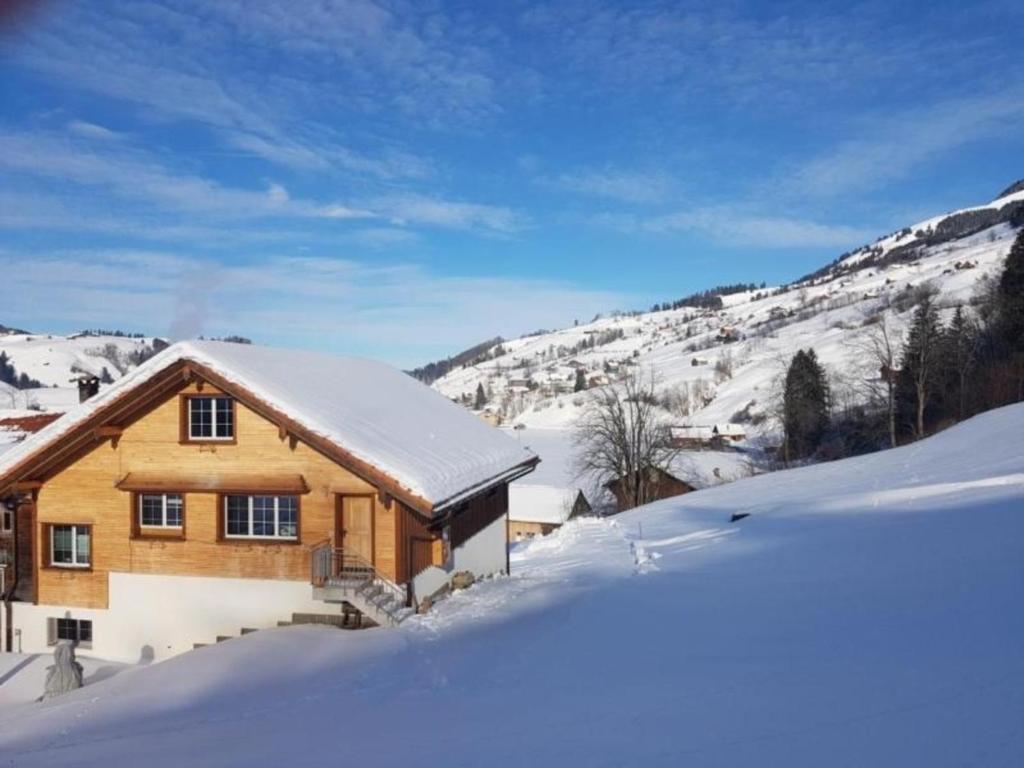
x: 155, y: 617
x: 484, y: 555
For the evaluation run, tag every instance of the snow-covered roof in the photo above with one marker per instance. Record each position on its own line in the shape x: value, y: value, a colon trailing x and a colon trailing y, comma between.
x: 707, y: 432
x: 732, y: 430
x: 691, y: 433
x: 430, y: 446
x: 538, y: 503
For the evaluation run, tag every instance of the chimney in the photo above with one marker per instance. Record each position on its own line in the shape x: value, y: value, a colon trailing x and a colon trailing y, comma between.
x: 87, y: 387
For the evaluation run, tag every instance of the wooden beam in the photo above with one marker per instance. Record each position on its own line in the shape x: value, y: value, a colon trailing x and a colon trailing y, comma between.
x: 108, y: 431
x: 27, y: 485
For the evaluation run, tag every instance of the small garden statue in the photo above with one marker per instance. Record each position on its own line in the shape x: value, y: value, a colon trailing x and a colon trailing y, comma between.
x: 65, y: 674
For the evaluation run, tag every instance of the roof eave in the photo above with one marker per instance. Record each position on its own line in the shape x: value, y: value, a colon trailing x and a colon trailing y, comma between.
x: 514, y: 473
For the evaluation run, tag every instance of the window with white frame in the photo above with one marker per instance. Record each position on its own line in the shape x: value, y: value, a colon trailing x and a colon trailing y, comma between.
x: 78, y: 631
x: 261, y: 517
x: 70, y: 546
x: 211, y: 418
x: 160, y: 510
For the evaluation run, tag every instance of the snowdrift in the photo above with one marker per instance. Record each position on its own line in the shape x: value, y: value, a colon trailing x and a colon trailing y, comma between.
x: 867, y: 612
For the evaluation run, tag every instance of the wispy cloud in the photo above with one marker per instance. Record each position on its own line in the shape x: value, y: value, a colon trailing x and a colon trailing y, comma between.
x: 352, y: 55
x: 451, y: 214
x: 724, y: 53
x: 93, y: 131
x: 892, y: 146
x: 612, y: 184
x: 137, y: 176
x: 401, y: 312
x: 737, y: 227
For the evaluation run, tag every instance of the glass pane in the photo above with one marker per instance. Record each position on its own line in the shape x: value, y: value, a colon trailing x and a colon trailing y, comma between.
x: 201, y: 416
x: 263, y: 516
x: 152, y: 510
x: 287, y: 516
x: 225, y: 418
x: 66, y: 629
x: 82, y: 536
x: 62, y: 539
x: 85, y: 631
x: 237, y: 515
x: 174, y: 505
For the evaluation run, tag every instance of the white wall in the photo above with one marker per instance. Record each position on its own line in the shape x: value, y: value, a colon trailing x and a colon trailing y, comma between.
x: 160, y: 616
x: 484, y: 554
x: 167, y: 614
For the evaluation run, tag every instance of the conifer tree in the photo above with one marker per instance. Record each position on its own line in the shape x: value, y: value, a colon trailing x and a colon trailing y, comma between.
x: 806, y: 405
x: 958, y: 359
x: 919, y: 369
x: 481, y: 397
x: 581, y: 381
x: 1011, y: 297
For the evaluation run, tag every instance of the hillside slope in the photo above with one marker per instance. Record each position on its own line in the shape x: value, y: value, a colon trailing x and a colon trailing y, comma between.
x: 719, y: 365
x: 54, y: 362
x: 866, y: 613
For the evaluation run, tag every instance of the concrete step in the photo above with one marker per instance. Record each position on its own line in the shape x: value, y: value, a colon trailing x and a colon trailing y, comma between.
x: 249, y: 630
x: 197, y: 646
x: 222, y: 638
x: 328, y: 619
x: 284, y: 623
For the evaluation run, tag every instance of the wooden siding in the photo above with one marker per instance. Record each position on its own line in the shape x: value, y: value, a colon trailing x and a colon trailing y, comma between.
x: 85, y: 493
x: 664, y: 486
x: 476, y: 514
x: 518, y: 530
x: 419, y: 546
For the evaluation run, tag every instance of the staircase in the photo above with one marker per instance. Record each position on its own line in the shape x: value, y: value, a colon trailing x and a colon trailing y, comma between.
x: 343, y: 577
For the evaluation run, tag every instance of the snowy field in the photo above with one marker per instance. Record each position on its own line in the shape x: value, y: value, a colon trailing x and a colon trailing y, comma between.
x: 867, y: 613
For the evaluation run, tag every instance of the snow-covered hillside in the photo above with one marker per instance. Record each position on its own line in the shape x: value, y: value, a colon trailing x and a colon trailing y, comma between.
x: 718, y: 366
x: 866, y: 613
x: 55, y: 361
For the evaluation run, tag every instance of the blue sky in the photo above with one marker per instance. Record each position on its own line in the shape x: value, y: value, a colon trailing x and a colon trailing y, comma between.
x: 402, y: 180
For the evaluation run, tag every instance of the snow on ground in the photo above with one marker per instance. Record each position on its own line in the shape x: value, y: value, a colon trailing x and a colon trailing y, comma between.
x: 23, y: 675
x: 866, y: 613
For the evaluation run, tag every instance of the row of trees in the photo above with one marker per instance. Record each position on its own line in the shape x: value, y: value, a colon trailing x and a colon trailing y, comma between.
x: 976, y: 362
x: 709, y: 299
x: 8, y: 375
x: 939, y: 375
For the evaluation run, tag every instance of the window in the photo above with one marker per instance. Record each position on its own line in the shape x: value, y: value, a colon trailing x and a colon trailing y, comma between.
x: 261, y: 517
x: 211, y: 418
x: 70, y: 546
x: 78, y: 631
x: 160, y: 510
x: 6, y: 519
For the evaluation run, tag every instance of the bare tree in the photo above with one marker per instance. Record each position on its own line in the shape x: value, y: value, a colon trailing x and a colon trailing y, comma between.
x: 882, y: 344
x: 622, y: 435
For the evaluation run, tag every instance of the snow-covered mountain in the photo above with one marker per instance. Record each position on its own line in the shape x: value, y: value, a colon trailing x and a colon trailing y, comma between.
x: 719, y: 365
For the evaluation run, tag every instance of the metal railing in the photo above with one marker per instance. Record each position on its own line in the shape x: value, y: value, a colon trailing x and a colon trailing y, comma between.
x: 333, y: 565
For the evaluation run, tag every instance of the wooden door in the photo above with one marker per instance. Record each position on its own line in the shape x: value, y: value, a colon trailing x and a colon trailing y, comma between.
x: 355, y: 526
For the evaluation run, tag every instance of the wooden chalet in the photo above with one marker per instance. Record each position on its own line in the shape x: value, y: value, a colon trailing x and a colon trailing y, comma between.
x: 221, y: 487
x: 537, y: 510
x: 663, y: 485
